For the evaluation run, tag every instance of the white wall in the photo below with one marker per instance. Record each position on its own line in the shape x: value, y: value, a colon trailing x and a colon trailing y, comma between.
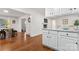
x: 34, y: 27
x: 36, y: 21
x: 36, y: 24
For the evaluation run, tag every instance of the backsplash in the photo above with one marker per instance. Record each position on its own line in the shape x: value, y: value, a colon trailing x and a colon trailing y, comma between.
x: 63, y: 22
x: 68, y: 24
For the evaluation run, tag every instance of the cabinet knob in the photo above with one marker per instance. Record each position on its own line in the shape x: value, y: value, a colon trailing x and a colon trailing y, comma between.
x: 67, y: 34
x: 48, y: 37
x: 76, y: 43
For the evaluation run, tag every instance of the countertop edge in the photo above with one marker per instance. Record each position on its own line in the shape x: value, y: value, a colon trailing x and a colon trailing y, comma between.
x: 62, y: 30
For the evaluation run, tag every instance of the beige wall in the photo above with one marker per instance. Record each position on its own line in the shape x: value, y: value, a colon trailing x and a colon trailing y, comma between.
x: 59, y: 21
x: 71, y: 20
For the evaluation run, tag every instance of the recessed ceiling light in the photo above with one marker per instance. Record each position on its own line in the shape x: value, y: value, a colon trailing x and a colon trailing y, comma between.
x: 6, y: 11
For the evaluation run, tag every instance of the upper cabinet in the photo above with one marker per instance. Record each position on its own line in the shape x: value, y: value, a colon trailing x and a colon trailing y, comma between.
x: 51, y: 12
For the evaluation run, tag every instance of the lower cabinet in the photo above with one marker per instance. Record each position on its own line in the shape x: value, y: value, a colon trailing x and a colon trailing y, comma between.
x: 46, y: 40
x: 53, y: 42
x: 67, y: 44
x: 62, y: 41
x: 50, y: 40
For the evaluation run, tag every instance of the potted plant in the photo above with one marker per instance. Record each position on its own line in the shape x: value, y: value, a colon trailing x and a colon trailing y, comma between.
x: 76, y: 23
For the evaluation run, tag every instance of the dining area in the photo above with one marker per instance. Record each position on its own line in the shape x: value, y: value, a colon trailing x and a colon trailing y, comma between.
x: 6, y: 30
x: 7, y: 33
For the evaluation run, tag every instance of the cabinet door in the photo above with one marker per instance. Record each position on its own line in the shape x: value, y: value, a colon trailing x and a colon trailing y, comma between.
x: 65, y: 11
x: 45, y: 39
x: 61, y: 43
x: 49, y: 12
x: 50, y: 39
x: 74, y: 43
x: 67, y: 44
x: 53, y: 42
x: 57, y: 11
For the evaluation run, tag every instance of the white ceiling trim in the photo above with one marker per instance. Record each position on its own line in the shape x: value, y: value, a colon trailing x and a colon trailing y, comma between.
x: 20, y: 10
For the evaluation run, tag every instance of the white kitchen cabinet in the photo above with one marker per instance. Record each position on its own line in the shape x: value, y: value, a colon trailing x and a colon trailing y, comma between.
x: 46, y: 38
x: 67, y: 42
x: 61, y: 40
x: 53, y: 40
x: 64, y: 11
x: 50, y: 39
x: 75, y: 10
x: 51, y: 12
x: 57, y: 11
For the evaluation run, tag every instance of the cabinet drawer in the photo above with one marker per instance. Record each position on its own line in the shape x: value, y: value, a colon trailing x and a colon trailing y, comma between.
x: 68, y: 34
x: 73, y: 35
x: 45, y: 32
x: 49, y: 37
x: 52, y: 32
x: 62, y: 33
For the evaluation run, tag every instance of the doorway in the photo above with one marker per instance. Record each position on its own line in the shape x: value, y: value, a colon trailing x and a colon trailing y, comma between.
x: 23, y: 25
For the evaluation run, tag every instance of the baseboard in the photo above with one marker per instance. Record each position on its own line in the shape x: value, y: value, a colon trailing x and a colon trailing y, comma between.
x: 53, y: 49
x: 35, y: 35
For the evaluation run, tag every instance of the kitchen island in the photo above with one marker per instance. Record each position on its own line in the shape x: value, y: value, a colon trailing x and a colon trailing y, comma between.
x: 62, y: 40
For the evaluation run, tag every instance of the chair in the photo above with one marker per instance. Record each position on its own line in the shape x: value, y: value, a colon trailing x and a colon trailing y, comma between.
x: 2, y: 34
x: 14, y: 33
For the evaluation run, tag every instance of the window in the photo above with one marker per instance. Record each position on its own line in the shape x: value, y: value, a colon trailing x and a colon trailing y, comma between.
x: 65, y: 21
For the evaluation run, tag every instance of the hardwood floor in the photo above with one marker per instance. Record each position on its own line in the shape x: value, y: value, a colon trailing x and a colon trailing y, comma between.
x: 23, y: 42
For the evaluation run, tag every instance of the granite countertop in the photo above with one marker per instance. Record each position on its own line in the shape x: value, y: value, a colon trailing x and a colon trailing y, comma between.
x: 61, y: 30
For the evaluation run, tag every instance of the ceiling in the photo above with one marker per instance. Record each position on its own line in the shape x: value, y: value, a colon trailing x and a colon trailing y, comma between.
x: 38, y: 10
x: 11, y: 12
x: 16, y: 13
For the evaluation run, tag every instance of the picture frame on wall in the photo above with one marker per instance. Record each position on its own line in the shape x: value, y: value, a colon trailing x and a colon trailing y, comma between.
x: 29, y: 20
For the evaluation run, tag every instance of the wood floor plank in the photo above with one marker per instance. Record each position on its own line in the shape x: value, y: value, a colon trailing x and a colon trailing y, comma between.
x: 23, y: 42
